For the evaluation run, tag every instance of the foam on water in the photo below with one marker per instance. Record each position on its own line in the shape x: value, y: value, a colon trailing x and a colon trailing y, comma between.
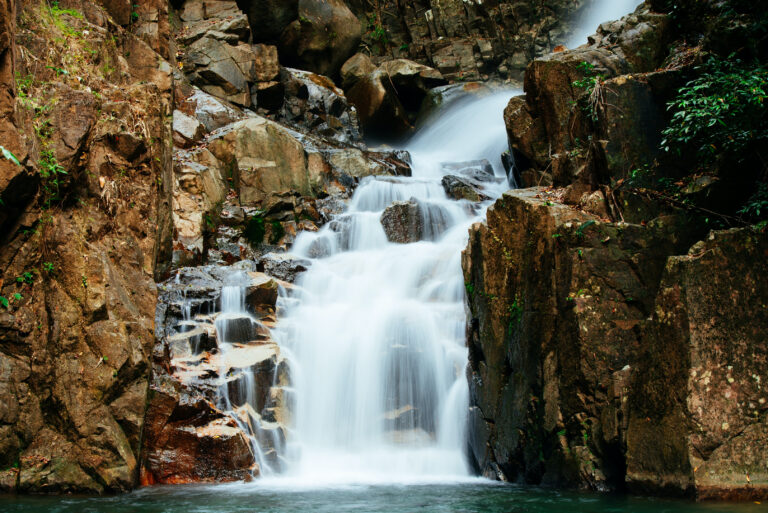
x: 375, y: 330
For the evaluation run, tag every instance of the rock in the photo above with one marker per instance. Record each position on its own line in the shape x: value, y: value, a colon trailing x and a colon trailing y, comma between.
x: 549, y: 127
x: 268, y: 18
x: 468, y: 40
x: 389, y: 97
x: 378, y: 106
x: 283, y: 266
x: 220, y: 19
x: 190, y: 442
x: 355, y: 69
x: 590, y: 352
x: 698, y: 389
x: 402, y: 222
x: 261, y: 292
x: 460, y: 188
x: 212, y: 112
x: 325, y: 35
x: 225, y: 70
x: 558, y: 301
x: 477, y: 170
x: 412, y: 81
x: 266, y: 157
x: 187, y: 131
x: 316, y: 105
x: 75, y: 348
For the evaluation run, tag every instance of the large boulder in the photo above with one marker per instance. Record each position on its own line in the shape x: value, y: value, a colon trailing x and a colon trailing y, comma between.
x: 402, y: 222
x: 325, y: 34
x: 265, y: 157
x: 388, y: 98
x: 268, y: 18
x: 225, y: 70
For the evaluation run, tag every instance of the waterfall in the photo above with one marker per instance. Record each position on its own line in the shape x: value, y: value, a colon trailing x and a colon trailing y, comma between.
x: 375, y: 331
x: 599, y: 12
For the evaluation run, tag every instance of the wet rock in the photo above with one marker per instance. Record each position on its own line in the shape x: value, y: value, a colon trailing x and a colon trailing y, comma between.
x: 478, y: 170
x: 402, y: 222
x: 325, y: 34
x: 315, y: 104
x: 190, y: 442
x: 460, y: 188
x: 261, y: 292
x: 283, y: 266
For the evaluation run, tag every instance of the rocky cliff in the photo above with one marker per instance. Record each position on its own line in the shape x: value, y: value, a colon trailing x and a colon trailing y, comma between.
x: 86, y: 229
x: 615, y: 341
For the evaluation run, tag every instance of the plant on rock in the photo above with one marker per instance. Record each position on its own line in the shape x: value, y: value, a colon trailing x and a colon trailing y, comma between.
x: 721, y: 113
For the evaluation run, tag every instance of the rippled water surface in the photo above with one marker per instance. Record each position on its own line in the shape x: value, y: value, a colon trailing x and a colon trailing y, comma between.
x: 282, y: 497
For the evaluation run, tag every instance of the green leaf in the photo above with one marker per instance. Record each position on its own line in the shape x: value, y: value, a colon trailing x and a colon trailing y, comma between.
x: 3, y: 301
x: 10, y: 156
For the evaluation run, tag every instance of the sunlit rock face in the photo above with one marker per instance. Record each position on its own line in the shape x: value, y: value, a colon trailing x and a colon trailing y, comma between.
x: 85, y: 223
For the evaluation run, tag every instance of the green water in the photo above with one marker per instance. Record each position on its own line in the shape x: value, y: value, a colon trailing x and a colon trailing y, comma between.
x: 460, y: 498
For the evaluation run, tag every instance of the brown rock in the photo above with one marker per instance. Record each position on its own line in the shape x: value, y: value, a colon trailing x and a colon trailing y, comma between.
x: 325, y: 35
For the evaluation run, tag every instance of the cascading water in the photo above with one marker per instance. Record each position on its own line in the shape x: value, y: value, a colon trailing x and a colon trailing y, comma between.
x: 374, y: 330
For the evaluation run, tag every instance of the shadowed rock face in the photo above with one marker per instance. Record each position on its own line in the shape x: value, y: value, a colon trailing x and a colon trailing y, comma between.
x: 600, y: 359
x: 322, y: 37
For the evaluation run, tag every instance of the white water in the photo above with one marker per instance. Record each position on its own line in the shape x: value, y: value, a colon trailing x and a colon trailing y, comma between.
x: 599, y: 12
x: 374, y: 330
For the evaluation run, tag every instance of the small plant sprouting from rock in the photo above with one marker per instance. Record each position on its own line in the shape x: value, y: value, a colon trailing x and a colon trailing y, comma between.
x: 593, y: 103
x: 515, y: 311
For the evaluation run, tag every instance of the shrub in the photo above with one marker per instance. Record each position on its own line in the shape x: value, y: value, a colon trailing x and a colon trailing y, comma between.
x: 721, y: 113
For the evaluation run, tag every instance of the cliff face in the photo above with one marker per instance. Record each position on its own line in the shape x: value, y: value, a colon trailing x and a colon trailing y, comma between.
x: 608, y: 348
x: 468, y: 39
x: 86, y: 228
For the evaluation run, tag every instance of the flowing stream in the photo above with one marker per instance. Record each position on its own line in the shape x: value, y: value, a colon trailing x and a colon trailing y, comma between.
x: 374, y: 330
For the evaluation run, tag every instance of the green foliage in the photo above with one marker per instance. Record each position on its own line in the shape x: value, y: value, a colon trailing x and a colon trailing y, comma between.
x: 9, y: 156
x: 255, y: 229
x: 48, y: 267
x: 4, y: 302
x: 723, y: 112
x: 470, y: 289
x: 515, y: 311
x: 26, y: 277
x: 756, y: 207
x: 277, y: 232
x: 51, y: 173
x: 593, y: 102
